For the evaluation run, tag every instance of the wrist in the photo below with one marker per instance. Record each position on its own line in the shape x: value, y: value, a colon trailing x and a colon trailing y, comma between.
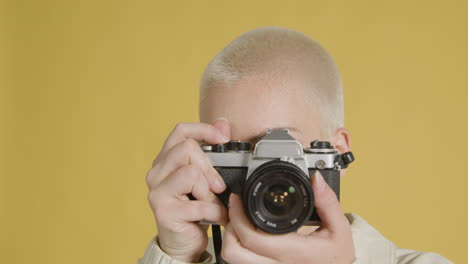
x: 179, y: 255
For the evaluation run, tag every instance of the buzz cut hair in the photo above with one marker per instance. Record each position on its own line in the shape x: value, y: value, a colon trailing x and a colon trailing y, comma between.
x: 277, y: 54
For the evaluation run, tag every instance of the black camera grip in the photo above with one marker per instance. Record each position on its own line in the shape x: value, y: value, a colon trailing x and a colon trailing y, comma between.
x: 332, y: 178
x: 234, y: 178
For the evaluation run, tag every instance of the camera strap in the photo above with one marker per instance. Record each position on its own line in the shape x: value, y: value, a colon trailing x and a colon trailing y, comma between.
x: 217, y: 244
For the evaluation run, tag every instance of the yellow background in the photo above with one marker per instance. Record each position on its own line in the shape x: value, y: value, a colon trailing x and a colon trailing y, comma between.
x: 90, y: 89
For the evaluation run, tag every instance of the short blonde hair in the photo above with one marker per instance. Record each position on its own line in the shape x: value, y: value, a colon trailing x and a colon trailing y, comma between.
x: 279, y: 53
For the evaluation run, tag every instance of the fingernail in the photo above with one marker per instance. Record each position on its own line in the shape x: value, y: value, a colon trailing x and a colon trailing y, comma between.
x: 231, y: 197
x: 319, y: 181
x: 221, y: 118
x: 223, y: 138
x: 219, y: 184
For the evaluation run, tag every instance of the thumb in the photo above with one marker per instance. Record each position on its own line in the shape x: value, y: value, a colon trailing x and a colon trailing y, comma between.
x: 327, y: 205
x: 223, y: 125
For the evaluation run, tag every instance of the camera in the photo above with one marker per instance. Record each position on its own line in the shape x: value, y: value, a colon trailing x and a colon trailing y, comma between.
x: 273, y: 180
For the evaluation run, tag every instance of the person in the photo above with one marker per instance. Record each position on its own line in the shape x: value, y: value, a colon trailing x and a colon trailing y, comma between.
x: 270, y: 77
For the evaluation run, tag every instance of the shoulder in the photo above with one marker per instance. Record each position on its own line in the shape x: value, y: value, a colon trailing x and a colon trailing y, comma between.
x: 373, y: 247
x: 416, y: 257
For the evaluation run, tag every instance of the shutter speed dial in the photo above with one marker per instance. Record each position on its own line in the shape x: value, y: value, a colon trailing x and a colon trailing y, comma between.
x: 231, y: 146
x: 238, y: 146
x: 316, y: 144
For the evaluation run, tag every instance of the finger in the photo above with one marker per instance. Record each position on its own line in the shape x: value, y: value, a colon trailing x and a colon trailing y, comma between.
x: 223, y: 125
x: 177, y: 212
x: 185, y: 153
x: 327, y: 205
x: 233, y: 252
x: 189, y: 180
x: 196, y: 131
x: 256, y: 240
x: 185, y: 180
x: 192, y: 211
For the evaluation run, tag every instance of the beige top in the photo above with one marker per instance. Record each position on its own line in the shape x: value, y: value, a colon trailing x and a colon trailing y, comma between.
x: 371, y: 248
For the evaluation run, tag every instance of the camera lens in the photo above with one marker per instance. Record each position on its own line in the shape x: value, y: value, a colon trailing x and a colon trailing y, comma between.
x: 278, y: 197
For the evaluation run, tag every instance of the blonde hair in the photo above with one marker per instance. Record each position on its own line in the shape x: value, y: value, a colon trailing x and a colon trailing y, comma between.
x: 279, y: 53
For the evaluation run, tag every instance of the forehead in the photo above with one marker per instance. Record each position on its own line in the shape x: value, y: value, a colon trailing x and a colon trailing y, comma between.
x: 254, y: 105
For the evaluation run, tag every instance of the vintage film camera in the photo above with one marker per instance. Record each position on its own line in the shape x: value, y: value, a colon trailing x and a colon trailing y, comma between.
x: 273, y: 180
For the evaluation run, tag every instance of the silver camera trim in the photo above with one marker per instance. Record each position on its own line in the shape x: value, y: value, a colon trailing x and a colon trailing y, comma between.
x: 277, y: 144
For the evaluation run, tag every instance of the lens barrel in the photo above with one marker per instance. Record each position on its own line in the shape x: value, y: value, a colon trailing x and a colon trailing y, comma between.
x: 278, y: 197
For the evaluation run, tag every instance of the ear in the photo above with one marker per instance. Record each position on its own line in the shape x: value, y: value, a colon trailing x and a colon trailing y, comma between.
x: 342, y: 143
x: 342, y: 140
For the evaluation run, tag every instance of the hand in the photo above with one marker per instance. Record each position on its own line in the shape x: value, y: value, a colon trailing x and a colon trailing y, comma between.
x: 331, y: 243
x: 182, y: 168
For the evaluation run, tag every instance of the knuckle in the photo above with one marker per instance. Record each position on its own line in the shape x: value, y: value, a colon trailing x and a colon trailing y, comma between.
x: 191, y: 145
x: 152, y: 177
x: 153, y: 199
x: 149, y: 177
x: 180, y: 126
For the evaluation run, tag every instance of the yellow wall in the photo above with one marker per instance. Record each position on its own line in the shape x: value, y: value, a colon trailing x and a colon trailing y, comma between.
x: 90, y: 89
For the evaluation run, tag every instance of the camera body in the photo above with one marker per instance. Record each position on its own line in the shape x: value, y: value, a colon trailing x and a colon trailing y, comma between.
x: 273, y: 180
